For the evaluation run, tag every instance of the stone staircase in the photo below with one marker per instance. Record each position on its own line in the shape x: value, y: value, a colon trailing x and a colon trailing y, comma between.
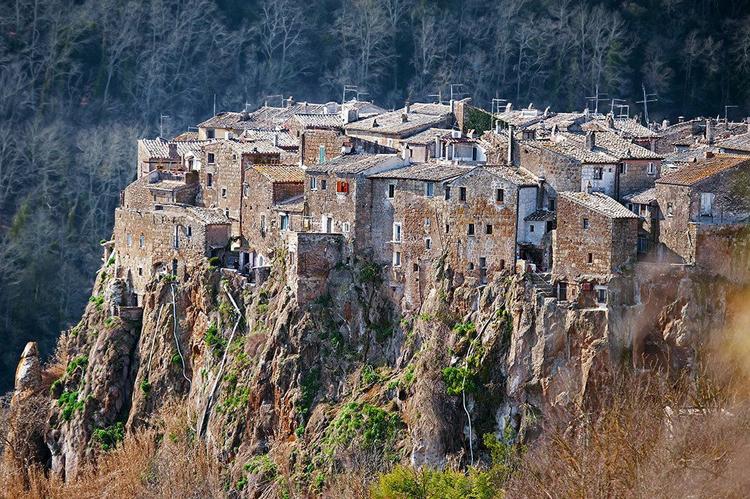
x: 542, y: 283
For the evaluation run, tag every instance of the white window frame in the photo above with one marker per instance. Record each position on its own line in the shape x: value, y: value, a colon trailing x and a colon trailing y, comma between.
x: 391, y: 192
x: 429, y: 189
x: 396, y: 258
x: 428, y: 243
x: 397, y: 234
x: 600, y: 289
x: 313, y: 183
x: 707, y: 199
x: 651, y: 169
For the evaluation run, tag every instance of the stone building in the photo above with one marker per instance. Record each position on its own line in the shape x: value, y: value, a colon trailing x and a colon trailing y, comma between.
x: 222, y: 176
x: 644, y: 205
x: 628, y: 129
x: 161, y: 187
x: 707, y: 196
x: 595, y: 237
x: 271, y: 205
x: 165, y: 239
x: 391, y: 129
x: 738, y: 145
x: 228, y: 125
x: 160, y: 154
x: 338, y: 195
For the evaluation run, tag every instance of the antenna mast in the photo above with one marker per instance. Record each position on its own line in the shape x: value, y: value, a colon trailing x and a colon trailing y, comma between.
x: 646, y: 99
x: 161, y: 124
x: 596, y: 98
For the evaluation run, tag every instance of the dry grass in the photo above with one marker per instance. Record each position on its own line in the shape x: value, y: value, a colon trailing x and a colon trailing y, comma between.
x: 164, y: 461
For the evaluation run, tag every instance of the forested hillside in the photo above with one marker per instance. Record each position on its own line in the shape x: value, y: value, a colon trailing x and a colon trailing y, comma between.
x: 81, y: 80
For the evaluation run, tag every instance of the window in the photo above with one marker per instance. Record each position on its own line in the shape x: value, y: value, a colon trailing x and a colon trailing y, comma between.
x: 447, y: 228
x: 590, y: 258
x: 284, y: 222
x: 447, y: 192
x: 189, y: 231
x: 313, y: 183
x: 223, y: 192
x: 598, y: 173
x: 142, y: 241
x: 176, y: 238
x: 226, y: 212
x: 130, y: 240
x: 462, y: 193
x: 210, y: 133
x: 246, y: 190
x: 323, y: 184
x: 342, y: 186
x: 473, y: 153
x: 345, y: 227
x: 140, y: 271
x: 562, y: 291
x: 209, y: 179
x: 651, y: 170
x: 390, y: 142
x: 429, y: 189
x: 428, y: 243
x: 211, y: 158
x: 488, y: 229
x: 471, y: 265
x: 586, y: 224
x: 415, y: 267
x: 531, y: 228
x: 396, y: 258
x: 502, y: 264
x: 499, y: 195
x: 670, y: 209
x: 601, y: 295
x: 551, y: 204
x: 427, y: 222
x: 391, y: 190
x: 262, y: 224
x: 707, y: 204
x: 321, y: 154
x: 471, y: 229
x: 397, y: 233
x: 623, y: 168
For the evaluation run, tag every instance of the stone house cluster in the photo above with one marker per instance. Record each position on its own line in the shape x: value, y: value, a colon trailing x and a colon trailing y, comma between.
x: 572, y: 198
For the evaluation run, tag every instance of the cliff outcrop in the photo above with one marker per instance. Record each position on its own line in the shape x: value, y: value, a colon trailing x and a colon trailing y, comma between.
x: 322, y: 387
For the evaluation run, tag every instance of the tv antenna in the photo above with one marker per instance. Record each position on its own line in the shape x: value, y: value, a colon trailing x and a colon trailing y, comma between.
x: 161, y: 124
x: 349, y: 89
x: 457, y: 85
x: 439, y: 96
x: 646, y: 99
x: 726, y: 112
x: 596, y: 98
x: 620, y: 104
x: 279, y: 96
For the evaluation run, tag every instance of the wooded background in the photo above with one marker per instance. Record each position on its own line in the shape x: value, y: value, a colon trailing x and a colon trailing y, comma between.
x: 80, y: 81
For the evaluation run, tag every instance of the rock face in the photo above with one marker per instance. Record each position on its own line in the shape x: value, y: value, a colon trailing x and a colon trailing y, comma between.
x: 263, y: 374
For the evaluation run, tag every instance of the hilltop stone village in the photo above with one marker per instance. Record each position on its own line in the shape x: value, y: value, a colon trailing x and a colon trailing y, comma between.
x: 571, y: 198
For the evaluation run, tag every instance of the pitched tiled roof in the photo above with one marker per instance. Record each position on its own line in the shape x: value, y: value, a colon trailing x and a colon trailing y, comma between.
x: 629, y: 127
x: 692, y: 173
x: 319, y: 120
x: 281, y: 173
x: 521, y: 118
x: 284, y: 139
x: 251, y: 147
x: 541, y: 216
x: 392, y: 123
x: 644, y: 197
x: 575, y: 149
x: 688, y: 156
x: 356, y: 163
x: 295, y: 204
x: 159, y: 148
x: 600, y: 203
x: 424, y: 171
x: 267, y: 117
x: 186, y: 137
x: 736, y: 143
x: 428, y: 136
x: 434, y: 109
x: 209, y: 216
x: 614, y: 145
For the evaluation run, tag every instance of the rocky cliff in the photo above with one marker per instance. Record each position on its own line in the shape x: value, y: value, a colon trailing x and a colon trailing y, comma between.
x: 347, y: 381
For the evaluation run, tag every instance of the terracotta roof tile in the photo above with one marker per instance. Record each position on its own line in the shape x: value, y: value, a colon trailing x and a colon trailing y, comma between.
x: 354, y: 164
x: 281, y: 173
x: 600, y: 203
x: 692, y: 173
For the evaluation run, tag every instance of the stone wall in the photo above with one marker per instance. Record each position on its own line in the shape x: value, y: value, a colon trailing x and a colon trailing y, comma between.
x: 560, y: 172
x: 637, y: 178
x: 310, y: 259
x: 724, y: 250
x: 145, y: 242
x: 343, y: 207
x: 610, y: 242
x: 312, y: 140
x: 676, y: 233
x: 225, y: 191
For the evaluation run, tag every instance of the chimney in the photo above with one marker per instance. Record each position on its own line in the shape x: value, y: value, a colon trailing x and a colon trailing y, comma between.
x: 590, y: 140
x: 510, y: 145
x: 407, y: 107
x: 375, y: 123
x: 540, y: 194
x: 405, y: 152
x: 610, y: 121
x: 437, y: 147
x: 404, y: 118
x: 453, y: 106
x: 710, y: 135
x: 276, y: 139
x: 172, y: 150
x: 497, y: 127
x: 509, y: 107
x: 708, y: 154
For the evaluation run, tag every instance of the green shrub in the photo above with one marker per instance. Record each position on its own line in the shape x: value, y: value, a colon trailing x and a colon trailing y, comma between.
x: 370, y: 273
x: 145, y: 386
x: 56, y: 387
x: 69, y: 404
x: 263, y: 466
x: 362, y: 424
x: 109, y: 437
x: 111, y: 260
x: 410, y: 375
x: 309, y: 389
x: 458, y: 379
x: 369, y: 375
x: 407, y: 483
x: 214, y: 340
x: 466, y: 329
x: 177, y: 359
x: 81, y: 361
x: 214, y: 261
x: 98, y: 301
